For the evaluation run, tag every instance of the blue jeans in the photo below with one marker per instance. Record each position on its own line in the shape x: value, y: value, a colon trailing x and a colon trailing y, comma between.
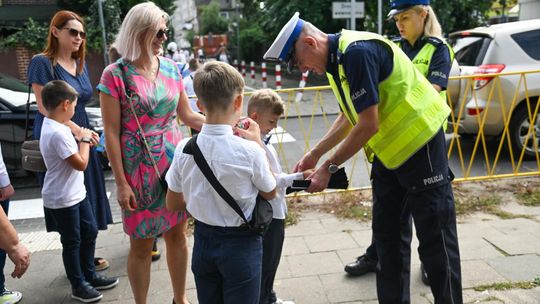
x: 5, y: 206
x: 78, y: 233
x: 226, y: 263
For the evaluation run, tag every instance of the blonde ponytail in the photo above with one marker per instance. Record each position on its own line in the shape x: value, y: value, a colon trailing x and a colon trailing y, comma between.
x: 432, y: 27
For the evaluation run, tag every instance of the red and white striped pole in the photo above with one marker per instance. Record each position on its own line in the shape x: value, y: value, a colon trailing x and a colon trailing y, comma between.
x: 278, y: 76
x: 302, y: 85
x: 263, y: 73
x: 252, y: 71
x: 243, y: 68
x: 235, y: 62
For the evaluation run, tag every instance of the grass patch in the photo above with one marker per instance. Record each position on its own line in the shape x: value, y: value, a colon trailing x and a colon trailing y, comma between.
x: 350, y: 205
x: 508, y: 285
x: 488, y: 204
x: 529, y: 197
x: 291, y: 218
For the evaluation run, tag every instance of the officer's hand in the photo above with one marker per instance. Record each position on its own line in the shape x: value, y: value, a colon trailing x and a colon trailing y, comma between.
x: 319, y: 180
x: 308, y: 161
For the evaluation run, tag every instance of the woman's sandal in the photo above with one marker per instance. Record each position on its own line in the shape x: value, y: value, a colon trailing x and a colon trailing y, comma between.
x: 101, y: 263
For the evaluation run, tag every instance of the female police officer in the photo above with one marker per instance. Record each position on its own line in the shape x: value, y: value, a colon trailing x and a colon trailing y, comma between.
x: 421, y: 40
x: 390, y: 109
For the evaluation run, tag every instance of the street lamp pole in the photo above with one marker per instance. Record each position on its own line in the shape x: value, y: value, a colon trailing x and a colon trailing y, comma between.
x: 237, y: 6
x: 103, y: 34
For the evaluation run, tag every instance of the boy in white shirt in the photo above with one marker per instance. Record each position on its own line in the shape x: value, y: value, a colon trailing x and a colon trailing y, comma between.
x: 227, y: 256
x: 64, y: 193
x: 265, y: 107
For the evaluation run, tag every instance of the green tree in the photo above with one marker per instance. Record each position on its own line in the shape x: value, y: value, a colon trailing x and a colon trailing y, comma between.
x: 210, y: 21
x: 125, y: 5
x: 32, y: 35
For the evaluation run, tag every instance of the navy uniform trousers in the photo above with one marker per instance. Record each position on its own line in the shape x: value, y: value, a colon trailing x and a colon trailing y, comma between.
x: 420, y: 188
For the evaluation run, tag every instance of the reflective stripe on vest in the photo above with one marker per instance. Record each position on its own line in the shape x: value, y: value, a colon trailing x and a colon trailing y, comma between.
x: 409, y: 109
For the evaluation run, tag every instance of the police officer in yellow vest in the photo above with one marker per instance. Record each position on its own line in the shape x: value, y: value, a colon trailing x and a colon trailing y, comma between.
x: 392, y: 111
x: 421, y: 40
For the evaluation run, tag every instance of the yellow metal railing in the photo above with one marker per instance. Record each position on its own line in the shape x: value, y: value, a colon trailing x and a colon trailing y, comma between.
x: 487, y: 155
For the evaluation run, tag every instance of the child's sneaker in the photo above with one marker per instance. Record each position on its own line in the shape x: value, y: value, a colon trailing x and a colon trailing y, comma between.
x: 102, y: 282
x: 86, y: 293
x: 10, y: 297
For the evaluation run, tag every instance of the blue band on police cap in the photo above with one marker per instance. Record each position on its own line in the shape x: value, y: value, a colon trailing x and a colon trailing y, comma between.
x: 285, y: 52
x: 401, y: 4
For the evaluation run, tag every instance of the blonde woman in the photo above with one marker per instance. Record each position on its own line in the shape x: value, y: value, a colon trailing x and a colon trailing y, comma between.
x: 421, y: 40
x: 158, y: 96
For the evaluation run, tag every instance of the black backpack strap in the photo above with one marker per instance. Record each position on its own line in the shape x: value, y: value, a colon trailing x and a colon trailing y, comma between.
x: 193, y: 149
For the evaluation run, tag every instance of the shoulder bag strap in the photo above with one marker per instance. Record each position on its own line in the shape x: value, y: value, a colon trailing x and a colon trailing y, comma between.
x: 193, y: 148
x: 27, y: 123
x: 129, y: 97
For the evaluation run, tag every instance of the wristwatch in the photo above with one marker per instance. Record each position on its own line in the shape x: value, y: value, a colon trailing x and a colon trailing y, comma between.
x: 333, y: 168
x: 86, y: 140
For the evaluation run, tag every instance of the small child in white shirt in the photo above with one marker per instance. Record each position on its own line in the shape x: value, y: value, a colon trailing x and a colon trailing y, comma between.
x: 64, y: 193
x: 227, y: 256
x: 265, y: 107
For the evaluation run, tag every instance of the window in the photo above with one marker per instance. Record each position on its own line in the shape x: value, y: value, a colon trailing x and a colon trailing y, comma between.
x: 529, y: 42
x: 470, y: 50
x: 224, y: 15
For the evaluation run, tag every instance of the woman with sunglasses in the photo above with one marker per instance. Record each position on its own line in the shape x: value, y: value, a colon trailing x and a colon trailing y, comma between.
x: 64, y: 59
x: 141, y: 135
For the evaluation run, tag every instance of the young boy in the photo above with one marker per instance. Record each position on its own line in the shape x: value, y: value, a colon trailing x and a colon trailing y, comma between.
x: 64, y: 193
x: 227, y: 257
x: 265, y: 107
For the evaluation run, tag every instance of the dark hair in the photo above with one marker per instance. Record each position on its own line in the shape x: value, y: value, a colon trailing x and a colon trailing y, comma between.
x: 55, y: 92
x: 59, y: 20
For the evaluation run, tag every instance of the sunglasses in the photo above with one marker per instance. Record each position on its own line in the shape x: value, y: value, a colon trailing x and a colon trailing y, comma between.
x: 74, y: 33
x: 161, y: 33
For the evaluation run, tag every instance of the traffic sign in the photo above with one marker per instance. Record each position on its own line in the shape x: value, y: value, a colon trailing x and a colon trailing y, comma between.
x: 342, y: 10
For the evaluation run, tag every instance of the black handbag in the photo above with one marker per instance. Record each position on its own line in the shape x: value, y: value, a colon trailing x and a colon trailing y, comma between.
x: 129, y: 96
x: 262, y: 213
x: 31, y: 157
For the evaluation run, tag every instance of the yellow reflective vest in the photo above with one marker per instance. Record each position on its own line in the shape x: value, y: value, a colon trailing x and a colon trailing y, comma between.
x: 422, y: 60
x: 409, y: 109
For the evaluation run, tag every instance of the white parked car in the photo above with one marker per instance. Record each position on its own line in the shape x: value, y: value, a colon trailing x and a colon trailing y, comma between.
x: 501, y: 48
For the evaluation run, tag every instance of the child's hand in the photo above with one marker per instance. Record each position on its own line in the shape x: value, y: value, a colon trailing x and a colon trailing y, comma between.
x: 307, y: 173
x: 252, y: 133
x: 83, y: 132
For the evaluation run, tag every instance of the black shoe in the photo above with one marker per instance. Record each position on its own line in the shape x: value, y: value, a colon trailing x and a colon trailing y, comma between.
x: 86, y: 293
x: 424, y: 274
x: 361, y: 266
x: 102, y: 282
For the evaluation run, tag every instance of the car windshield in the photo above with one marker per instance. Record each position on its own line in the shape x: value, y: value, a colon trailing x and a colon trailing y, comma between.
x: 470, y: 50
x: 16, y: 99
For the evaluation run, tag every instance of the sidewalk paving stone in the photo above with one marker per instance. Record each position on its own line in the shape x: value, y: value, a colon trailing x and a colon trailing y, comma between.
x: 517, y: 268
x: 314, y: 264
x: 330, y: 241
x: 478, y: 272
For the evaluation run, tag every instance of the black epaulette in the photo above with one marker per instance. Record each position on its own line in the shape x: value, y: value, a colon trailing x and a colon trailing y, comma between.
x: 435, y: 41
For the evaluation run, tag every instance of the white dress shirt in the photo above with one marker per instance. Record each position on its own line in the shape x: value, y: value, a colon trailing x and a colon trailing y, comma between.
x: 240, y: 166
x: 284, y: 180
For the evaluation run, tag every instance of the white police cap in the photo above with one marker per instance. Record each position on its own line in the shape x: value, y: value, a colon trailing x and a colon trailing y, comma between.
x: 282, y: 48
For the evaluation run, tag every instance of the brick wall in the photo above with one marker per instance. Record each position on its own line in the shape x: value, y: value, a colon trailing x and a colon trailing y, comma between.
x: 28, y: 2
x: 23, y: 60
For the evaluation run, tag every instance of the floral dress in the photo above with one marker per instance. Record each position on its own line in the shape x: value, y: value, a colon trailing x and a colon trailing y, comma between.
x: 155, y: 106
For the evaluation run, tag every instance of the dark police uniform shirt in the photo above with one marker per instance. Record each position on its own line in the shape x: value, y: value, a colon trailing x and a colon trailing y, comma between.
x: 440, y: 63
x: 366, y: 64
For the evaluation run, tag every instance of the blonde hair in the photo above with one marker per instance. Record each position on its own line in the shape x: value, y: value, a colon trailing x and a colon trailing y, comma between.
x: 138, y: 30
x: 265, y: 100
x: 217, y: 84
x: 432, y: 27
